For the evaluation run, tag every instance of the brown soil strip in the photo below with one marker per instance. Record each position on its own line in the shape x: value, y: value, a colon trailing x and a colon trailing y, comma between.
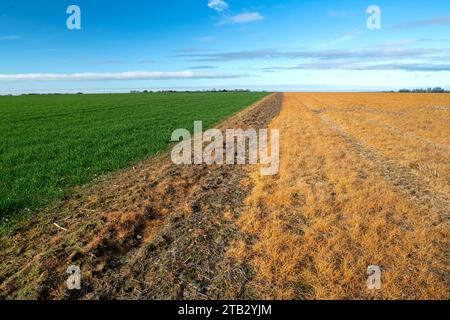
x: 157, y: 231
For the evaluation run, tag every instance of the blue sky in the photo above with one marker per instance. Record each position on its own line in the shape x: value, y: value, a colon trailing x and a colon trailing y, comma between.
x: 256, y: 44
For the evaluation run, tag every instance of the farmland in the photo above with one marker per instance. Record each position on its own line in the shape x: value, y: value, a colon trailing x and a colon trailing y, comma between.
x: 52, y: 143
x: 364, y: 180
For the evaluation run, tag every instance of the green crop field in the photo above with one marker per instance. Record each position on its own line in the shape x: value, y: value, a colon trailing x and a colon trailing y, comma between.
x: 50, y: 143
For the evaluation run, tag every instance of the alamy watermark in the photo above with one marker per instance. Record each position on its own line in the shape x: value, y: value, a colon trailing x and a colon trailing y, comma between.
x: 74, y: 20
x: 374, y: 278
x: 374, y: 20
x: 235, y: 147
x: 73, y: 282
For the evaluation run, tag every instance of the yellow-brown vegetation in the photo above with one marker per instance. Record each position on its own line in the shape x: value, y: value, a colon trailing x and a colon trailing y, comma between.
x: 364, y: 180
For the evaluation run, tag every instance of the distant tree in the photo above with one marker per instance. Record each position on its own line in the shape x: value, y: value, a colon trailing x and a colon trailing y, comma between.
x: 422, y: 90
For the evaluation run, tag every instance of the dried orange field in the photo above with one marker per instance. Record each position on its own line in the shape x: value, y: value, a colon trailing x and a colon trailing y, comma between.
x: 364, y: 180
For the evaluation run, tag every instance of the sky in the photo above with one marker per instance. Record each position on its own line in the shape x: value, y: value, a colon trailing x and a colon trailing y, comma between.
x: 285, y: 45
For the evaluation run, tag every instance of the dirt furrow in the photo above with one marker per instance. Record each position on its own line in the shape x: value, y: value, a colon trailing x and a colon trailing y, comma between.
x: 399, y: 176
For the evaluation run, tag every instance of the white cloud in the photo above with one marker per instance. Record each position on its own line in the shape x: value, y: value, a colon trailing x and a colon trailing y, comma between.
x: 191, y: 50
x: 369, y: 53
x: 402, y: 43
x: 130, y: 75
x: 218, y: 5
x: 338, y: 13
x: 242, y: 18
x: 346, y: 37
x: 10, y: 37
x: 437, y: 21
x: 146, y: 61
x: 350, y: 65
x: 228, y: 18
x: 206, y: 39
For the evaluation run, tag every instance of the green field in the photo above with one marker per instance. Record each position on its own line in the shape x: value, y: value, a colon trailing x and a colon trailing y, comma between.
x: 50, y: 143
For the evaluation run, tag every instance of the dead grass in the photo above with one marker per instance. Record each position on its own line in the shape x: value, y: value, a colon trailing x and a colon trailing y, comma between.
x: 313, y: 231
x: 416, y: 136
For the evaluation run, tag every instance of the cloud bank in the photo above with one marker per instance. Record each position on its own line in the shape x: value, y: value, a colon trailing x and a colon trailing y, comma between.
x: 369, y: 53
x: 437, y: 21
x: 130, y: 75
x: 333, y: 65
x: 385, y: 57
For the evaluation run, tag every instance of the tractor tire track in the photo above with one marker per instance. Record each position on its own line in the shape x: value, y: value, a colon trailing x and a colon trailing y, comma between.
x: 399, y: 176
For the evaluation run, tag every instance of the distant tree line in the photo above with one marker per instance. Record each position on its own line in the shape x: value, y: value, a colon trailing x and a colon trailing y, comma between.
x: 428, y: 90
x: 188, y: 91
x: 39, y: 94
x: 137, y: 91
